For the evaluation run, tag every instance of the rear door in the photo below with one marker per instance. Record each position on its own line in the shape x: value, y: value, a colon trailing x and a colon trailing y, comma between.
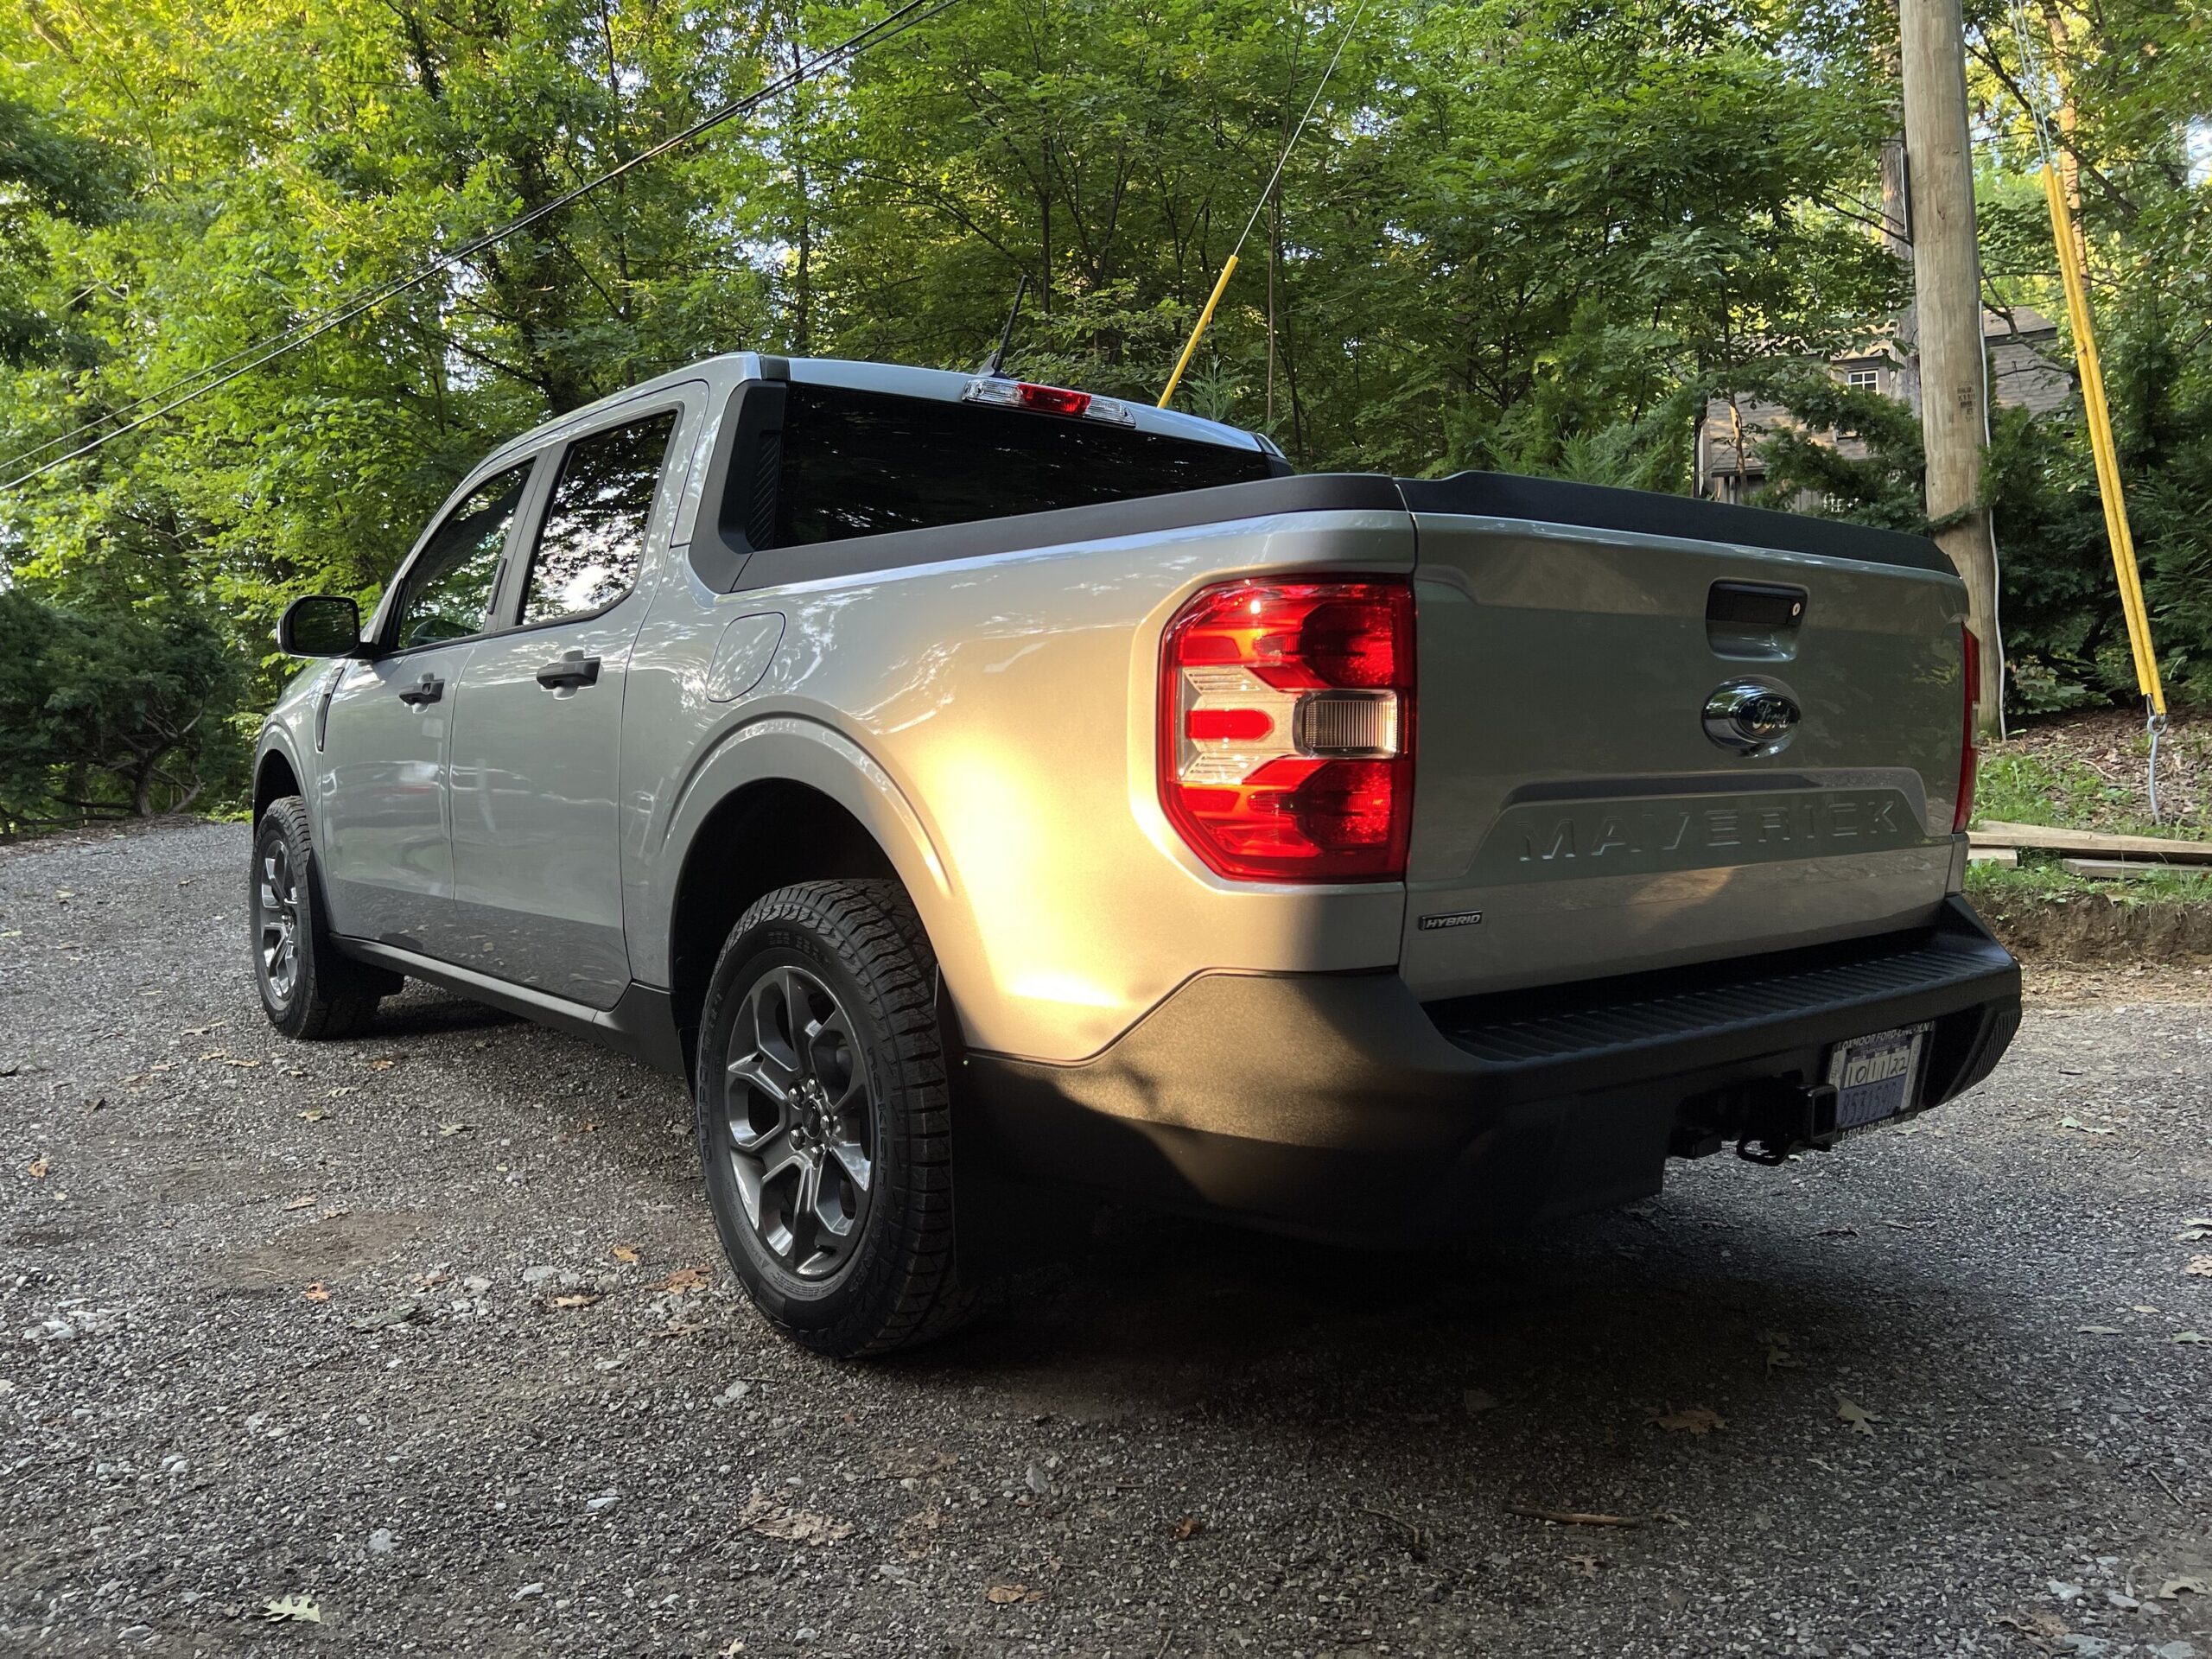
x: 1584, y: 803
x: 383, y: 737
x: 539, y: 722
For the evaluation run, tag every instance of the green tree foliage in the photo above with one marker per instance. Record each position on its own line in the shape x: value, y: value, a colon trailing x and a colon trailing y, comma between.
x: 1519, y: 233
x: 111, y: 712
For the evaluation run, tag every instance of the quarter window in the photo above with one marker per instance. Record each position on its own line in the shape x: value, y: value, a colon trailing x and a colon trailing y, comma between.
x: 450, y: 590
x: 594, y: 532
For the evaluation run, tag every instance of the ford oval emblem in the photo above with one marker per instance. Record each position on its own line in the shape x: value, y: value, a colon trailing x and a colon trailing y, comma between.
x: 1751, y: 717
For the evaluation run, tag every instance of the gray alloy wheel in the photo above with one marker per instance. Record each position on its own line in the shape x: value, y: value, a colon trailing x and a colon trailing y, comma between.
x: 800, y: 1121
x: 308, y: 989
x: 276, y: 922
x: 825, y: 1130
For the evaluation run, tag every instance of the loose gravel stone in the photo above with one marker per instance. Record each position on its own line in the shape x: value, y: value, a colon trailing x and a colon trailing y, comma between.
x: 1197, y: 1441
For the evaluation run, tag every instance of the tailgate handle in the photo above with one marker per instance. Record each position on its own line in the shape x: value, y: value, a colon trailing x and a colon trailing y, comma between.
x: 1756, y: 621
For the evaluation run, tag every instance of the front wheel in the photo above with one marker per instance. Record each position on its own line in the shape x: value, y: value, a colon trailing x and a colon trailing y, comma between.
x: 825, y: 1126
x: 308, y: 989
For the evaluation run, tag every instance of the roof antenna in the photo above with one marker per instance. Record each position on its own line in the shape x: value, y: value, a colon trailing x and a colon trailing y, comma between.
x: 995, y: 365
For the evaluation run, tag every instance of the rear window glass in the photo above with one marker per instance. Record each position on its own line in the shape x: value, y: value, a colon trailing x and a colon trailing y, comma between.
x: 861, y: 463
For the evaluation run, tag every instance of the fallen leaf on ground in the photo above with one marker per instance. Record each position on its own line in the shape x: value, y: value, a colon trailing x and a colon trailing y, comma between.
x: 1574, y: 1517
x: 1690, y: 1420
x: 772, y: 1520
x: 201, y: 1031
x: 586, y: 1126
x: 1006, y: 1595
x: 384, y: 1062
x: 1856, y: 1415
x: 2190, y: 1337
x: 37, y: 1167
x: 2173, y: 1589
x: 1188, y: 1528
x: 1477, y: 1400
x: 291, y: 1609
x: 2200, y: 1267
x: 576, y: 1299
x: 626, y: 1254
x: 682, y: 1281
x: 314, y: 1114
x: 2099, y: 1330
x: 1586, y: 1566
x: 453, y: 1129
x: 2077, y: 1123
x: 317, y: 1292
x: 300, y: 1204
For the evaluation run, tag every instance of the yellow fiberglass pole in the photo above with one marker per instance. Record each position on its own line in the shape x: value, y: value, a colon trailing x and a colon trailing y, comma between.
x: 2102, y: 447
x: 1191, y: 345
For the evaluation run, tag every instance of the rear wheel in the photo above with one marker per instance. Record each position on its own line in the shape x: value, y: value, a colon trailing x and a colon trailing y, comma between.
x: 823, y: 1122
x: 308, y: 989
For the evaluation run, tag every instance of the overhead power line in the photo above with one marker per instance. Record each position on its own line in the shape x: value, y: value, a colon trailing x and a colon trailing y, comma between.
x: 1228, y: 268
x: 247, y: 359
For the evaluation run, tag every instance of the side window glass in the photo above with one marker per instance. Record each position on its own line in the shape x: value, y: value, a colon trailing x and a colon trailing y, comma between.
x: 595, y: 529
x: 450, y: 590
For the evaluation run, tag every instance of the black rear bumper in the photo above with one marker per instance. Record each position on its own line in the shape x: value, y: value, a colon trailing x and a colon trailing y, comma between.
x: 1338, y: 1105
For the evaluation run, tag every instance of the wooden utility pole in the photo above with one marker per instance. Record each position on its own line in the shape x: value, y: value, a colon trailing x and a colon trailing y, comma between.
x: 1946, y: 294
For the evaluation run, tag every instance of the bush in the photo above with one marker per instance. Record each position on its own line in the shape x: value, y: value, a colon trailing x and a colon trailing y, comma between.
x: 112, y: 712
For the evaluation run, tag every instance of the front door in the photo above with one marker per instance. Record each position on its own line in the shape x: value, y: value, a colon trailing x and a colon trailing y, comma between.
x: 385, y: 852
x: 538, y: 731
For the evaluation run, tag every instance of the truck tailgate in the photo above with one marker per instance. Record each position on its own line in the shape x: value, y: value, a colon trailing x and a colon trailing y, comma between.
x: 1573, y: 815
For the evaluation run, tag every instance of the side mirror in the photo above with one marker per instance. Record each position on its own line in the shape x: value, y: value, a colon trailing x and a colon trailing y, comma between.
x: 319, y: 625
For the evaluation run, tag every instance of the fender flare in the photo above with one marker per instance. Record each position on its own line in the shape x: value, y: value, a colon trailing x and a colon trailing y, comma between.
x: 793, y: 748
x: 277, y: 740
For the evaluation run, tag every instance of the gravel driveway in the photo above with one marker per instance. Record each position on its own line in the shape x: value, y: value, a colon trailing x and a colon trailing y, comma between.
x: 432, y: 1330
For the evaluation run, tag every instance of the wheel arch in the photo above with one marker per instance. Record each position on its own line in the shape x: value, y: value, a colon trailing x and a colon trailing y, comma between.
x: 274, y: 777
x: 770, y: 833
x: 781, y: 800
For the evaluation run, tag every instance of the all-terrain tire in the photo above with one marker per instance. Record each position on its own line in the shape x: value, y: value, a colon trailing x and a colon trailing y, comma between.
x: 863, y: 966
x: 309, y: 992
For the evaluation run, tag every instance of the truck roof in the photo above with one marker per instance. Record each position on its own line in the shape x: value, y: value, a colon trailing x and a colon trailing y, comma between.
x: 728, y: 369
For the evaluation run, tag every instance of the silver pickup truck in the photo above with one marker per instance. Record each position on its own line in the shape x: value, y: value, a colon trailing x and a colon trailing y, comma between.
x: 977, y: 789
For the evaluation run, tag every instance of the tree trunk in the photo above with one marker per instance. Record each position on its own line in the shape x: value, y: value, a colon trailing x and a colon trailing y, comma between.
x: 1946, y: 292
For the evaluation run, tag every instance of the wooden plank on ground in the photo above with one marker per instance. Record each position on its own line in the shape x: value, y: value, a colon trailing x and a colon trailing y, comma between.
x: 2007, y: 856
x: 2119, y: 869
x: 2090, y: 843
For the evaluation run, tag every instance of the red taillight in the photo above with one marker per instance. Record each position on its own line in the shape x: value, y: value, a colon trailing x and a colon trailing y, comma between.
x: 1968, y: 757
x: 1286, y: 729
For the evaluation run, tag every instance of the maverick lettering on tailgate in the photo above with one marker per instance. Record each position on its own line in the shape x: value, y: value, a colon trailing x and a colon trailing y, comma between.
x: 1535, y: 841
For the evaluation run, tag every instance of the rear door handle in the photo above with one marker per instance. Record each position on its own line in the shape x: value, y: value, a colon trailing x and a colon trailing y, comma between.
x: 427, y: 690
x: 566, y: 673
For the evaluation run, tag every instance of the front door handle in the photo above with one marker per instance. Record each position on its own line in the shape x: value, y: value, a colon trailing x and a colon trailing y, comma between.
x: 427, y: 690
x: 566, y: 673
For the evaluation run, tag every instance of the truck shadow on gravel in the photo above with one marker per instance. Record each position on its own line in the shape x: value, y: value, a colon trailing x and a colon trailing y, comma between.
x: 1613, y: 1320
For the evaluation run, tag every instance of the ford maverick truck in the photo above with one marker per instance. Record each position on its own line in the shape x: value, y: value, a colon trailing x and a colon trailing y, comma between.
x: 973, y: 787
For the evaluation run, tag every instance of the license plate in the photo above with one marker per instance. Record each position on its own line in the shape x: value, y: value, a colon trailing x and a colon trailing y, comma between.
x: 1877, y: 1077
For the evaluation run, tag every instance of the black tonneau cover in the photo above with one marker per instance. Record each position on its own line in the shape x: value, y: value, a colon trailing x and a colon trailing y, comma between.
x: 1496, y: 495
x: 1554, y: 501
